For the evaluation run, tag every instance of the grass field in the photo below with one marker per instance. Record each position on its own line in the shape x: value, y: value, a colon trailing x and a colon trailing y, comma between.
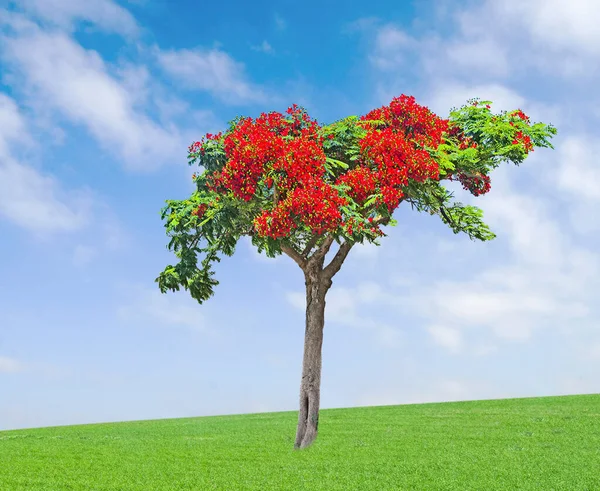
x: 550, y: 443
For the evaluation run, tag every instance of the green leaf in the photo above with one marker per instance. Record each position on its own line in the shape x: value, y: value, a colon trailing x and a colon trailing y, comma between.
x: 337, y: 163
x: 371, y: 200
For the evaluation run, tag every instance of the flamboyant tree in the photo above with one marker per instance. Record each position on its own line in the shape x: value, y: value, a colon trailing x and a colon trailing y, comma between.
x: 296, y: 187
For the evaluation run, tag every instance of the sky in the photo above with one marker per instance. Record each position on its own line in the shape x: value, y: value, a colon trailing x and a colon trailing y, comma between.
x: 99, y: 101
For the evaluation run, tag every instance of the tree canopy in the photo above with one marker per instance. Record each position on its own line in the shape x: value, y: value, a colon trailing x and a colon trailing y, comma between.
x: 295, y: 186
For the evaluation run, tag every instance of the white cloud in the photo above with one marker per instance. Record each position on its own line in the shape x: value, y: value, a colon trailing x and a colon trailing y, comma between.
x: 554, y: 24
x: 487, y: 56
x: 579, y: 172
x: 576, y: 179
x: 365, y: 251
x: 75, y: 81
x: 532, y: 233
x: 264, y: 47
x: 296, y: 300
x: 37, y: 202
x: 29, y: 198
x: 105, y: 14
x: 391, y: 47
x: 135, y: 81
x: 557, y: 37
x: 148, y: 306
x: 447, y: 337
x: 10, y: 365
x: 545, y: 284
x: 494, y: 41
x: 211, y: 70
x: 12, y: 124
x: 509, y: 314
x: 484, y: 349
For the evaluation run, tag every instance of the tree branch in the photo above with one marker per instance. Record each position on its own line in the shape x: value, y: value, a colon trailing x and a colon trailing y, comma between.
x: 321, y: 252
x: 381, y: 221
x: 311, y: 243
x: 295, y: 255
x: 336, y: 263
x: 443, y: 211
x: 445, y: 215
x: 195, y: 240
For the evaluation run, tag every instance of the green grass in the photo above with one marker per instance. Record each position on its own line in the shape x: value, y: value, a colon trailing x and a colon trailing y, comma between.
x: 549, y: 443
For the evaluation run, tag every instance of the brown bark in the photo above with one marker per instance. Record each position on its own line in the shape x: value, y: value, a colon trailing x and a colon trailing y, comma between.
x: 318, y: 280
x: 310, y: 387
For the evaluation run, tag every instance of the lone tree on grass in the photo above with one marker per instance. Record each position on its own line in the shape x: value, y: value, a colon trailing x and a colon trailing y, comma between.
x: 296, y: 187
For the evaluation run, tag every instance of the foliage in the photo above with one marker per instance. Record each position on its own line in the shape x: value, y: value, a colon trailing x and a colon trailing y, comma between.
x: 294, y: 186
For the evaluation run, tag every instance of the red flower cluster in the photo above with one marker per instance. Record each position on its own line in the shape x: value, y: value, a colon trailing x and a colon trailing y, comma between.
x: 285, y: 153
x: 362, y: 182
x: 525, y: 140
x: 455, y: 131
x: 417, y: 122
x: 195, y: 147
x: 352, y: 225
x: 315, y: 205
x: 200, y: 211
x: 519, y: 138
x: 467, y: 143
x: 249, y: 148
x: 476, y: 184
x: 521, y: 115
x: 396, y: 147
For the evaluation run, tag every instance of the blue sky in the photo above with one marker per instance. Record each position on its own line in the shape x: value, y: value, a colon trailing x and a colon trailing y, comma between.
x: 98, y: 103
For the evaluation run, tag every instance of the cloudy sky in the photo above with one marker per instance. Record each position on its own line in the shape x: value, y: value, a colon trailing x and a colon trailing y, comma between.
x: 98, y: 103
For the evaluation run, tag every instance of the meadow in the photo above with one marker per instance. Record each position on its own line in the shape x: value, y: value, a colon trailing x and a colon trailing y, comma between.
x: 548, y: 443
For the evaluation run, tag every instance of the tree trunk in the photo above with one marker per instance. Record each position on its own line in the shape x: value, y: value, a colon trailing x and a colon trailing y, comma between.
x: 310, y: 386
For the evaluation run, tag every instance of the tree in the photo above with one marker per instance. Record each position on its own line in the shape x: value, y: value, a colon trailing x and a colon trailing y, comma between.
x: 296, y: 187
